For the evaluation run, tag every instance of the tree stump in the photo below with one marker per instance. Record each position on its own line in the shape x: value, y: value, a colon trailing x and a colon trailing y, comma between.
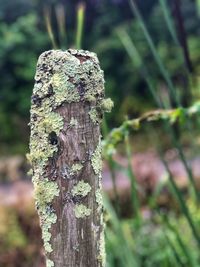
x: 65, y: 154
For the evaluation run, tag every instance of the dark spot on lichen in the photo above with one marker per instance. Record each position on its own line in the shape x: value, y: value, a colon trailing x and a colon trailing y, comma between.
x: 53, y: 138
x: 50, y: 90
x: 76, y: 199
x: 53, y: 176
x: 34, y: 117
x: 81, y: 89
x: 36, y: 100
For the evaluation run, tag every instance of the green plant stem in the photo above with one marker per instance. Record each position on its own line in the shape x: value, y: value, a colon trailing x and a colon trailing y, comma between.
x: 134, y: 193
x: 169, y: 21
x: 183, y: 247
x: 195, y: 192
x: 60, y: 17
x: 111, y: 165
x: 174, y: 251
x: 80, y: 23
x: 47, y: 17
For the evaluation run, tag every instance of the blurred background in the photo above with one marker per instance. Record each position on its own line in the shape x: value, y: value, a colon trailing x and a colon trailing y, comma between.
x: 150, y: 53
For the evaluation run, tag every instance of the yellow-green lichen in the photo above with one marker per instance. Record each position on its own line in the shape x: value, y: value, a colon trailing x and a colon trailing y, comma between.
x: 51, y: 122
x: 81, y: 189
x: 65, y: 90
x: 90, y: 98
x: 73, y: 122
x: 49, y: 263
x: 94, y: 115
x: 99, y: 199
x: 96, y: 160
x: 45, y: 191
x: 107, y: 105
x: 81, y: 211
x: 102, y: 254
x: 75, y: 168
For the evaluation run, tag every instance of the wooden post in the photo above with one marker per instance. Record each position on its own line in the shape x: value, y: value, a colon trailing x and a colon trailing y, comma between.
x: 65, y: 153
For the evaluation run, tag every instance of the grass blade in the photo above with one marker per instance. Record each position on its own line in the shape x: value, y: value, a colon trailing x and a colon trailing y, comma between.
x: 190, y: 260
x: 134, y: 193
x: 181, y: 203
x: 169, y: 21
x: 174, y: 251
x: 80, y: 23
x: 157, y: 58
x: 138, y: 62
x: 126, y: 253
x: 60, y: 17
x: 47, y: 17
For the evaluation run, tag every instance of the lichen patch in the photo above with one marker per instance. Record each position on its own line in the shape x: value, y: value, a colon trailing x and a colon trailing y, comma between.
x: 73, y: 122
x: 94, y: 116
x: 81, y: 189
x: 96, y: 160
x: 76, y: 168
x: 49, y: 263
x: 81, y: 211
x: 102, y: 254
x: 99, y: 199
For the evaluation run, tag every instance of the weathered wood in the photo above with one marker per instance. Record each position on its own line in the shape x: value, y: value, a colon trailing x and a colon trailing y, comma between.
x: 65, y: 153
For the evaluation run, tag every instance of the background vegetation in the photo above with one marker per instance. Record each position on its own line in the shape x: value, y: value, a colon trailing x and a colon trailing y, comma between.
x: 150, y: 53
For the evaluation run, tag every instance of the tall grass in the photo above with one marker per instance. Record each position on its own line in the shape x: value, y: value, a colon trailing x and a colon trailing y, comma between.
x: 58, y: 36
x: 179, y: 234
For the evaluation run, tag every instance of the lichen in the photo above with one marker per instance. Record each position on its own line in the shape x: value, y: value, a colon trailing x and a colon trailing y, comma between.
x: 102, y: 254
x: 65, y: 90
x: 49, y: 263
x: 45, y: 191
x: 107, y: 105
x: 94, y: 115
x: 76, y: 168
x: 81, y: 189
x: 99, y: 199
x: 81, y: 211
x: 73, y: 122
x: 90, y: 98
x: 96, y: 159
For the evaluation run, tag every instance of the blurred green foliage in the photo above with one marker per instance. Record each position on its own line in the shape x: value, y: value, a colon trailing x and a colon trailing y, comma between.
x: 142, y: 54
x: 24, y: 37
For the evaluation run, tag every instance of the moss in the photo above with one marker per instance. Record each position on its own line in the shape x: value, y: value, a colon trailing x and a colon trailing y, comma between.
x: 81, y: 189
x: 107, y: 105
x: 96, y: 159
x: 81, y: 211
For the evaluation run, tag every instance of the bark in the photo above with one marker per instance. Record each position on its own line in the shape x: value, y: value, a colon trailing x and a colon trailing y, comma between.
x: 65, y: 153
